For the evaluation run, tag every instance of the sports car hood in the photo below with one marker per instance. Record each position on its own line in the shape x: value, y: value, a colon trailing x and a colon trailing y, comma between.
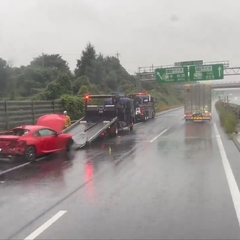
x: 54, y: 121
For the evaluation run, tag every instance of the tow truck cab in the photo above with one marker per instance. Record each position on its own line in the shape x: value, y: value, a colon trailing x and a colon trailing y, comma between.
x: 144, y: 106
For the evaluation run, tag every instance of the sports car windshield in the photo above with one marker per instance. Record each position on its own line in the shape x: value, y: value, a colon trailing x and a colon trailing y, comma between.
x: 20, y: 132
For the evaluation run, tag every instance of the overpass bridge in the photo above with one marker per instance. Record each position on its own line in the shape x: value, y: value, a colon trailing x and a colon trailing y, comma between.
x: 226, y: 85
x: 217, y: 85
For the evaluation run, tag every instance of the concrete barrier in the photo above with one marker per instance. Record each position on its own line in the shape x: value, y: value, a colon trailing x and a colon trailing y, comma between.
x: 236, y: 142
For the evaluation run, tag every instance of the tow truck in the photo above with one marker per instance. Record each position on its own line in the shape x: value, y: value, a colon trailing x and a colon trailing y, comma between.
x: 144, y: 106
x: 105, y: 115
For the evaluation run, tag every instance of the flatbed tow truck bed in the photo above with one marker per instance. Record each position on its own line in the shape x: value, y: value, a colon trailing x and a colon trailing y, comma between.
x: 84, y: 133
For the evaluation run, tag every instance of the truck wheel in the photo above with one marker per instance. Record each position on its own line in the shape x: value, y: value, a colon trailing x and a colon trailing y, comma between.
x: 113, y: 131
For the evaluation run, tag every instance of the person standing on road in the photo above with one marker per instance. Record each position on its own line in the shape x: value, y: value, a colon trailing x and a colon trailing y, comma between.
x: 68, y: 120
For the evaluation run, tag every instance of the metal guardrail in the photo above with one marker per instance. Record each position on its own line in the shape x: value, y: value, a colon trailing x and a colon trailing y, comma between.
x: 15, y: 113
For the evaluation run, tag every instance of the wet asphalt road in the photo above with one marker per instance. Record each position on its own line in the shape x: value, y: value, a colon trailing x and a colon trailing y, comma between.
x: 164, y: 180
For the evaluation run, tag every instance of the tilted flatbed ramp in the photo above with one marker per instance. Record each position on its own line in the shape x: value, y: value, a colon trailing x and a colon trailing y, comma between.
x: 84, y: 133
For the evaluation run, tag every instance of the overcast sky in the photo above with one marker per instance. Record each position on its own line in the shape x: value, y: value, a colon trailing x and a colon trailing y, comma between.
x: 144, y: 32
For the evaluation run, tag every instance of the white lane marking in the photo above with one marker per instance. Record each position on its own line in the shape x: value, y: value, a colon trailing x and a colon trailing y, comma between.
x: 14, y: 168
x: 137, y: 123
x: 20, y: 166
x: 46, y: 225
x: 158, y: 135
x: 229, y: 175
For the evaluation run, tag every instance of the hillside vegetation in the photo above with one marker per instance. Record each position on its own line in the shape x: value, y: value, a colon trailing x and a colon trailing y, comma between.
x: 227, y: 117
x: 48, y: 77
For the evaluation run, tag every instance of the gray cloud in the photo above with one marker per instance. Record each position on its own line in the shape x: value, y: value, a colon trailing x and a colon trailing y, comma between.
x: 157, y: 32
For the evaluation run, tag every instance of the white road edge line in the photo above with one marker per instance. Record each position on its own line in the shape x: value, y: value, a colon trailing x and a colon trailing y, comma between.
x: 46, y: 225
x: 229, y: 175
x: 158, y: 135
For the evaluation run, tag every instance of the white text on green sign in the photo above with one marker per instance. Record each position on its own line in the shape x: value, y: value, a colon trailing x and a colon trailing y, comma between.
x: 203, y: 69
x: 177, y: 74
x: 206, y: 72
x: 174, y: 71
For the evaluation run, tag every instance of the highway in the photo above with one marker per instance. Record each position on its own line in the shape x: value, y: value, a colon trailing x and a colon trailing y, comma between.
x: 167, y: 179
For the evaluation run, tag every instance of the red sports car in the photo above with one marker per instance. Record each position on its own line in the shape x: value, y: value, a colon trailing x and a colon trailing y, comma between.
x: 34, y: 141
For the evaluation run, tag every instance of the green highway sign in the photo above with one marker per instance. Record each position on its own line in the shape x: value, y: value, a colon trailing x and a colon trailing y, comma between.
x: 206, y: 72
x: 188, y: 63
x: 171, y: 75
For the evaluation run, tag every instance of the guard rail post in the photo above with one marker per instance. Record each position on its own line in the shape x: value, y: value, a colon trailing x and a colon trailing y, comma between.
x: 53, y: 105
x: 33, y: 112
x: 6, y: 115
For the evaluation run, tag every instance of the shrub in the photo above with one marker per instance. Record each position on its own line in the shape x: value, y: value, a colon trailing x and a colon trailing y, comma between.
x: 73, y: 105
x: 227, y: 118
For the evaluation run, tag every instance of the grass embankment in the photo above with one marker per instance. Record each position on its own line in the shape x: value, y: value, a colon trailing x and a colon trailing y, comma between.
x: 167, y: 97
x: 227, y: 118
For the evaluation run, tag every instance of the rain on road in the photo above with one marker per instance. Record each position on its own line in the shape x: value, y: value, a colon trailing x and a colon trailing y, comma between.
x: 164, y: 180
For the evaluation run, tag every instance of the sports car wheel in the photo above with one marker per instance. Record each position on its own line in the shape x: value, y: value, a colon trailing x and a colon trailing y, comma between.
x: 30, y: 153
x: 70, y: 150
x: 69, y: 145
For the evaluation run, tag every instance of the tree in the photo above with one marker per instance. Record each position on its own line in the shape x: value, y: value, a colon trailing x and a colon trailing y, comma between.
x: 85, y: 63
x: 111, y: 80
x: 64, y: 84
x: 52, y: 61
x: 83, y: 90
x: 99, y: 70
x: 5, y: 72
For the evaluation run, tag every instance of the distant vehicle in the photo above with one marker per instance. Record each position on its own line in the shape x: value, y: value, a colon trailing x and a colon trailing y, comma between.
x: 144, y: 106
x: 198, y: 102
x: 33, y: 141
